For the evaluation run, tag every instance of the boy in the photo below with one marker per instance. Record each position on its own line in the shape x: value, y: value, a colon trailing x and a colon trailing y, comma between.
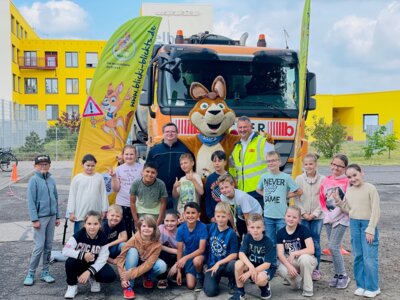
x: 243, y: 203
x: 44, y: 214
x: 191, y: 237
x: 115, y: 230
x: 256, y: 259
x: 148, y: 195
x: 276, y: 186
x: 189, y: 188
x: 213, y: 193
x: 222, y: 249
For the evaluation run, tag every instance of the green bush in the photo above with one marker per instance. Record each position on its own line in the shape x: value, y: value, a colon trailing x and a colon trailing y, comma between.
x: 379, y: 142
x: 33, y: 143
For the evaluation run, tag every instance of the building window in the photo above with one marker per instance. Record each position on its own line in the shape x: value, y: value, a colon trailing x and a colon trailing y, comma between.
x: 13, y: 53
x: 91, y: 60
x: 51, y: 58
x: 14, y: 79
x: 72, y: 110
x: 72, y: 86
x: 88, y: 83
x: 52, y: 112
x: 12, y: 24
x: 17, y: 29
x: 32, y: 112
x: 30, y: 58
x: 21, y: 31
x: 19, y: 84
x: 71, y: 59
x: 370, y: 122
x: 30, y: 85
x: 26, y: 34
x: 51, y: 86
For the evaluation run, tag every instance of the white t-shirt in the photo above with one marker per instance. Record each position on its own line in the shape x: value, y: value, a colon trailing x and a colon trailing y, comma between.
x: 243, y: 203
x: 127, y: 174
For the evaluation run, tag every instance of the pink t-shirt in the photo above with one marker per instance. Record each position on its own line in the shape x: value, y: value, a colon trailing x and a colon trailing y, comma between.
x: 168, y: 238
x: 127, y: 174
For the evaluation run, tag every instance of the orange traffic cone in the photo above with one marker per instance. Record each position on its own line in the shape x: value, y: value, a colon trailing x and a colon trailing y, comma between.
x: 14, y: 174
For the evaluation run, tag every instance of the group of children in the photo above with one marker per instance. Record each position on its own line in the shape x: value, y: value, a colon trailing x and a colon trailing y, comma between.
x: 242, y: 241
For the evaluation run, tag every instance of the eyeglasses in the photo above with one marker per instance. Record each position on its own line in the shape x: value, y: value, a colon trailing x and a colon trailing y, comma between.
x: 272, y: 160
x: 43, y: 165
x: 337, y: 166
x: 169, y: 131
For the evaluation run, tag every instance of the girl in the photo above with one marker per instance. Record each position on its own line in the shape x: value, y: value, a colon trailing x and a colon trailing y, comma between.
x: 87, y: 192
x: 295, y: 249
x: 87, y: 253
x: 139, y: 256
x: 335, y: 220
x: 362, y: 203
x: 169, y: 247
x: 311, y: 213
x: 121, y: 181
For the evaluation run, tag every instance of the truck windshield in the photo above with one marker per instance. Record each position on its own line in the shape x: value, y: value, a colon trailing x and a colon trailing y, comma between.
x: 250, y: 85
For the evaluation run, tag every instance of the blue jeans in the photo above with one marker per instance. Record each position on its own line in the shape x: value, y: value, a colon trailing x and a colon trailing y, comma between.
x: 366, y: 264
x: 132, y: 261
x: 271, y: 228
x: 315, y: 227
x: 78, y: 225
x: 115, y: 250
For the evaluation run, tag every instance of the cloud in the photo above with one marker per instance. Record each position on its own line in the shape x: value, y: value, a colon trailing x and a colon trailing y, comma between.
x: 56, y: 17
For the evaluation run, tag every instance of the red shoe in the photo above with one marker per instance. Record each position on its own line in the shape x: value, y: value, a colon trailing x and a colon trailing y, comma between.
x: 327, y: 252
x: 129, y: 293
x: 147, y: 283
x: 344, y: 251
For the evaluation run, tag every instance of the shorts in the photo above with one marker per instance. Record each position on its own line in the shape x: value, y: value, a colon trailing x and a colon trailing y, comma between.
x: 189, y: 268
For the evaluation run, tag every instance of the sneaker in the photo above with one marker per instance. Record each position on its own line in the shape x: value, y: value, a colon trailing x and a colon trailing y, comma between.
x: 162, y: 284
x: 46, y: 277
x: 286, y: 282
x: 94, y: 286
x: 265, y: 292
x: 29, y: 279
x: 129, y: 293
x: 296, y: 283
x: 327, y: 252
x: 148, y: 283
x: 307, y: 293
x: 238, y: 296
x: 359, y: 292
x: 369, y: 294
x: 199, y: 282
x: 316, y: 275
x: 343, y: 282
x: 72, y: 290
x: 232, y: 288
x: 334, y: 281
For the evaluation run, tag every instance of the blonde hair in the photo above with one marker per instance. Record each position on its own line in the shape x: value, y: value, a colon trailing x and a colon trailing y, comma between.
x: 272, y: 153
x: 252, y: 218
x: 128, y: 147
x: 115, y: 208
x: 223, y: 207
x: 186, y: 156
x: 152, y: 223
x: 313, y: 156
x: 295, y: 208
x: 225, y: 178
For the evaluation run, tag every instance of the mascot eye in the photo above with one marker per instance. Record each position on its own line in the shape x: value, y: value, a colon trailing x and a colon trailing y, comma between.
x: 204, y: 105
x: 105, y: 99
x: 220, y: 105
x: 113, y: 99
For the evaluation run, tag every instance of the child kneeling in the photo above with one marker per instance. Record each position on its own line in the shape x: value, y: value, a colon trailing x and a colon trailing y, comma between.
x: 295, y: 249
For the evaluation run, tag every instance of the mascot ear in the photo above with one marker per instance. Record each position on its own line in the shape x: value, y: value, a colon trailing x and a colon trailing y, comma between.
x: 198, y: 91
x: 219, y: 87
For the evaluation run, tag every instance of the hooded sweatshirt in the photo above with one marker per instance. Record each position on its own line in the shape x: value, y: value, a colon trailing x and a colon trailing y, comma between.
x: 309, y: 201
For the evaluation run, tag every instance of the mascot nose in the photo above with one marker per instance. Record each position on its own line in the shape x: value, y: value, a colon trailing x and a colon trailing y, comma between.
x: 214, y: 112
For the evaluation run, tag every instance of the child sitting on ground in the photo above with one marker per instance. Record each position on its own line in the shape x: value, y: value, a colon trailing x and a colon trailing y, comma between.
x: 114, y: 228
x: 256, y: 259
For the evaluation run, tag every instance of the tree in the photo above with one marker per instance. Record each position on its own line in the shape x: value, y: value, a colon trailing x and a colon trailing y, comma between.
x: 391, y: 142
x: 72, y: 122
x: 328, y: 137
x: 33, y: 143
x: 379, y: 142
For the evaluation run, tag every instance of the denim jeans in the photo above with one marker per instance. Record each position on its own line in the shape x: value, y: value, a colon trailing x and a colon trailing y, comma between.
x: 335, y: 237
x: 132, y: 261
x: 366, y: 264
x: 271, y: 228
x: 78, y: 225
x: 315, y: 227
x: 115, y: 250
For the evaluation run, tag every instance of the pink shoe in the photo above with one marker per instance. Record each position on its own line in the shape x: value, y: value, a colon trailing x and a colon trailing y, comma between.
x: 316, y: 275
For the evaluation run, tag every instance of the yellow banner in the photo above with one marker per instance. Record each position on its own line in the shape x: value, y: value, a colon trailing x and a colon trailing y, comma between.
x: 114, y: 92
x: 305, y: 32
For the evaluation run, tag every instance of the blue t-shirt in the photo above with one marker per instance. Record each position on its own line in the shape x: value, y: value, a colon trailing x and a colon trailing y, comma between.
x: 112, y: 233
x: 212, y: 194
x: 295, y: 241
x: 220, y: 244
x: 191, y: 239
x: 276, y: 188
x: 258, y: 252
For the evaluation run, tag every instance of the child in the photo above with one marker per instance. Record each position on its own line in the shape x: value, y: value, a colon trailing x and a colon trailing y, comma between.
x: 192, y: 236
x: 148, y: 195
x: 213, y: 193
x: 243, y: 203
x: 87, y: 253
x: 87, y: 192
x: 362, y: 203
x: 169, y: 248
x: 189, y: 188
x: 295, y: 249
x: 276, y: 187
x: 139, y: 256
x: 311, y: 213
x: 45, y: 215
x: 114, y: 229
x: 256, y: 259
x: 121, y: 181
x: 335, y: 220
x: 222, y: 250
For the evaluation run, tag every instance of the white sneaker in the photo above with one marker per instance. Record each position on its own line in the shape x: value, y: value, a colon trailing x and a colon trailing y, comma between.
x: 94, y: 286
x: 372, y: 294
x: 296, y: 282
x: 71, y: 292
x: 359, y: 292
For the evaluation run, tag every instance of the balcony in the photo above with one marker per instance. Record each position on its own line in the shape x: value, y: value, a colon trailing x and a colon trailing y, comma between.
x: 49, y: 62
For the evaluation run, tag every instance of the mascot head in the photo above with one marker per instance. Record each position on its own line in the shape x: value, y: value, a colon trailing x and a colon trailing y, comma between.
x: 211, y: 116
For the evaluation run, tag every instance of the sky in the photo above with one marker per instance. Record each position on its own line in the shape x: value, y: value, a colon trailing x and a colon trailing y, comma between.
x: 354, y: 44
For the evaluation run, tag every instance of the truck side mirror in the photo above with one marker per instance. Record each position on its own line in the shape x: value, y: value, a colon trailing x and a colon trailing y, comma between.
x: 145, y: 96
x: 311, y: 84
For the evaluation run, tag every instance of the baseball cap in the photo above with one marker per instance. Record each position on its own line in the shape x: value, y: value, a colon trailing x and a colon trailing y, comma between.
x: 42, y: 159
